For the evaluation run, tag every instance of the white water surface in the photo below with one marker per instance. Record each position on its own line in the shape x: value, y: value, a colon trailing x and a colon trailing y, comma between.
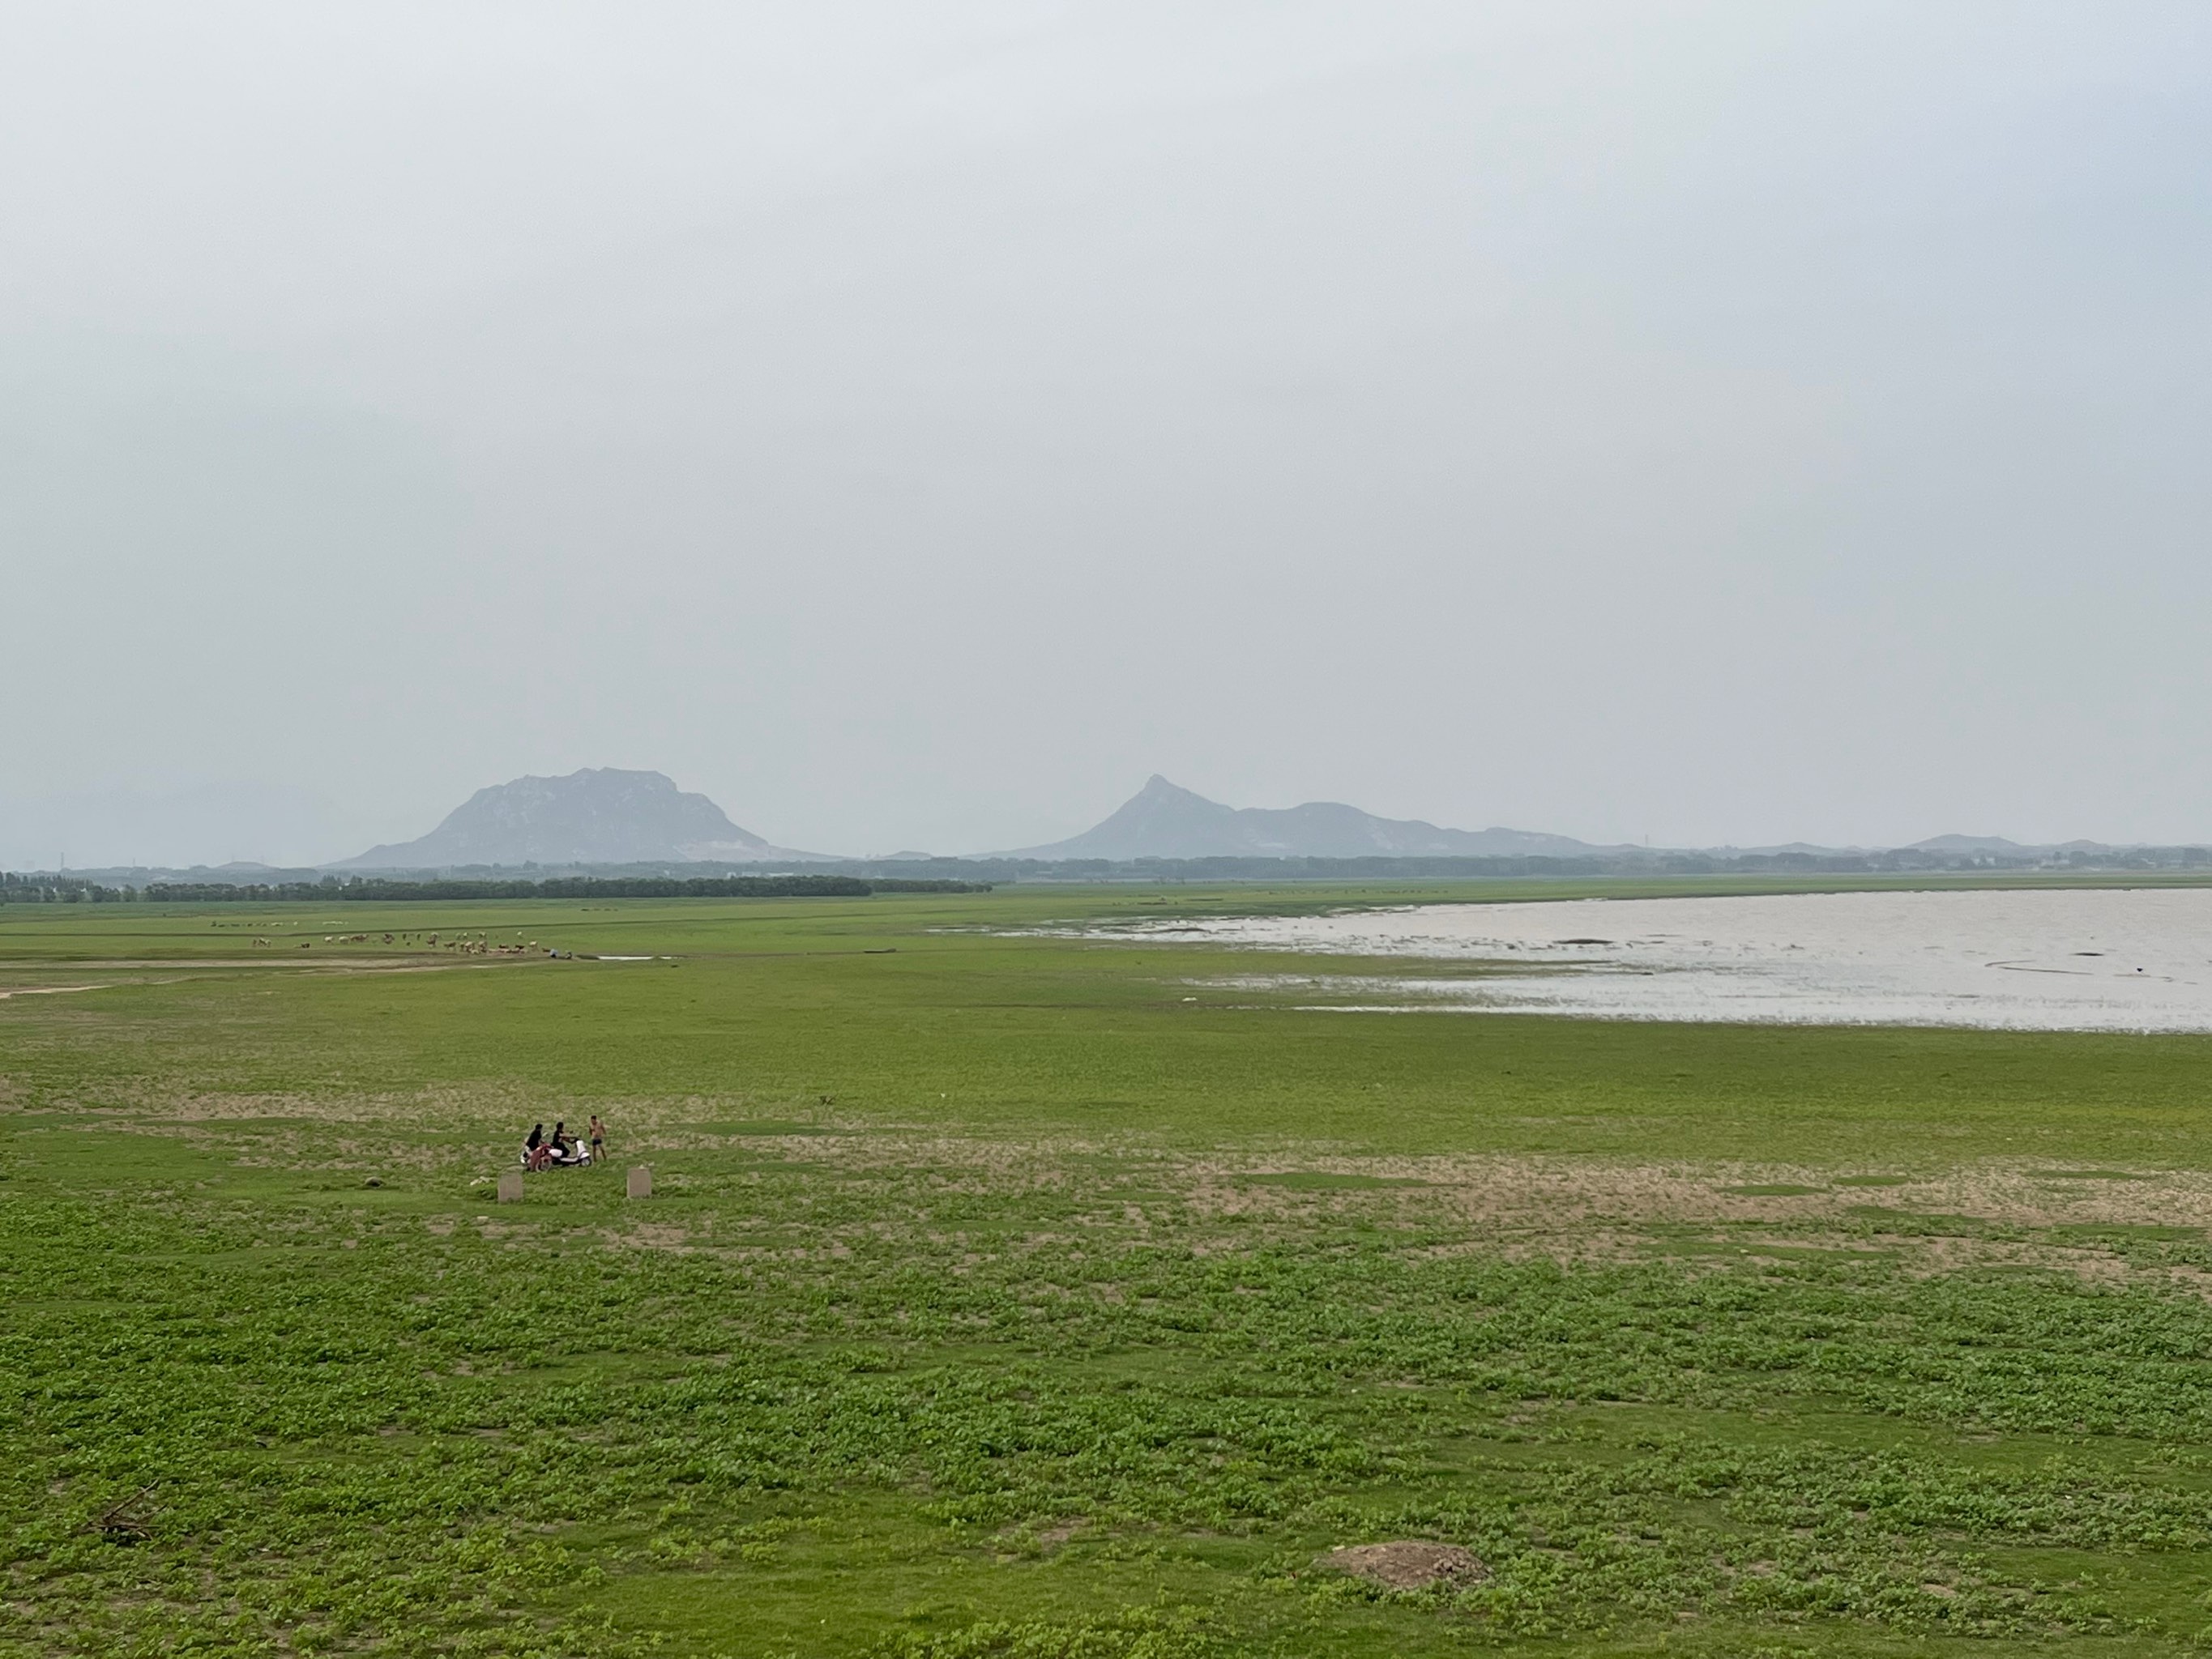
x: 2094, y: 959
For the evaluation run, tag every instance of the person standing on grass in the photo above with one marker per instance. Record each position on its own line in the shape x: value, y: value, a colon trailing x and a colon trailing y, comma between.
x: 598, y: 1139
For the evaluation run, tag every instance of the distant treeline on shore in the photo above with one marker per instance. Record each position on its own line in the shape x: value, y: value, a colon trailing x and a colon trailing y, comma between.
x: 856, y: 879
x: 1902, y: 861
x: 22, y: 889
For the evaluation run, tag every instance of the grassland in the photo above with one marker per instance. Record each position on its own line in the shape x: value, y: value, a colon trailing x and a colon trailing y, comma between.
x: 1011, y: 1293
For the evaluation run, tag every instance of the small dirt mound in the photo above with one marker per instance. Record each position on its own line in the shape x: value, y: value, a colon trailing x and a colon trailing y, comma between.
x: 1408, y: 1563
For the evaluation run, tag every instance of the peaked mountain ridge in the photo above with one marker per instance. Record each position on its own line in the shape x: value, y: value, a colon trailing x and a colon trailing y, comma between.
x: 609, y: 816
x: 1165, y: 821
x: 600, y: 815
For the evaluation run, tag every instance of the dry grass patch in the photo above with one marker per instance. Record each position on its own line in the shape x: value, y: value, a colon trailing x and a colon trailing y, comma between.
x: 1406, y: 1564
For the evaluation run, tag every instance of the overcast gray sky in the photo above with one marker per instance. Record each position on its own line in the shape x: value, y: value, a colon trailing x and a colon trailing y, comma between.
x: 914, y: 425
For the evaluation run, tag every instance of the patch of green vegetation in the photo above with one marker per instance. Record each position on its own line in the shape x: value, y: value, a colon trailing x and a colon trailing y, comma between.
x: 1077, y: 1329
x: 1772, y: 1190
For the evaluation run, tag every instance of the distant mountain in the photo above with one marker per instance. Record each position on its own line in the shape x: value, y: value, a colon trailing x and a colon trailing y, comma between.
x: 596, y: 816
x: 1786, y: 849
x: 1162, y: 821
x: 1969, y: 844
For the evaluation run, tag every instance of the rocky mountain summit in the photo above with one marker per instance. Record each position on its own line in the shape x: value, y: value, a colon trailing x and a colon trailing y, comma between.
x: 1163, y: 821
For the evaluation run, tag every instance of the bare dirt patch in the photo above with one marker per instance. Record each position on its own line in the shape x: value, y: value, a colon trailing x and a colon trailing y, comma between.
x: 1406, y: 1564
x: 1522, y: 1193
x: 2004, y: 1214
x: 650, y: 1236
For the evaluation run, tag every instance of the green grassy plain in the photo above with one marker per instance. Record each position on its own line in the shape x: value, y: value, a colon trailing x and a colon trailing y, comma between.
x: 1025, y: 1295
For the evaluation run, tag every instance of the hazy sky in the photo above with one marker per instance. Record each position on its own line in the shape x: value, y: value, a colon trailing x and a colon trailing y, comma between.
x: 915, y: 425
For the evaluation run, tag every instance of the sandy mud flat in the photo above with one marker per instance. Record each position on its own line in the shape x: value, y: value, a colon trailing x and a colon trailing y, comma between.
x: 2067, y: 959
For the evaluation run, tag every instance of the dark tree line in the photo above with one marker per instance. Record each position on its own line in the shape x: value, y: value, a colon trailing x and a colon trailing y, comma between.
x: 858, y: 878
x: 59, y: 890
x: 20, y: 889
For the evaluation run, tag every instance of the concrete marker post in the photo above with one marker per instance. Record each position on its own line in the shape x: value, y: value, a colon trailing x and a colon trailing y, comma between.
x: 641, y: 1182
x: 510, y: 1187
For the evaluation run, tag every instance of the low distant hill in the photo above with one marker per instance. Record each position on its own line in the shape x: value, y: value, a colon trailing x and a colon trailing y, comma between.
x: 1162, y: 821
x: 597, y: 816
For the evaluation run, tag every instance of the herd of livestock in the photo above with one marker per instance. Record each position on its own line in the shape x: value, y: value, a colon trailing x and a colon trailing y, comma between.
x: 479, y: 946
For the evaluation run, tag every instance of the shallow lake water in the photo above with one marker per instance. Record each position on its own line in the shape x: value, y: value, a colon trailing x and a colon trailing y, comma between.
x: 2095, y: 959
